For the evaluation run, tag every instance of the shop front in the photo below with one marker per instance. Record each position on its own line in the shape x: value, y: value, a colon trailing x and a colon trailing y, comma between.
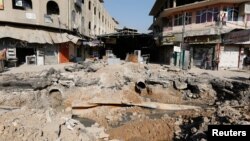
x: 203, y: 51
x: 235, y: 53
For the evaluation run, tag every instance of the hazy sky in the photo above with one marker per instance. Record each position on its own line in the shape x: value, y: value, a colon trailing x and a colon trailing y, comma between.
x: 131, y: 13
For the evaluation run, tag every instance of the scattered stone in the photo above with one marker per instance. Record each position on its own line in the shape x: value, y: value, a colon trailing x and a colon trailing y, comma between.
x: 172, y: 69
x: 193, y: 130
x: 151, y: 81
x: 180, y: 85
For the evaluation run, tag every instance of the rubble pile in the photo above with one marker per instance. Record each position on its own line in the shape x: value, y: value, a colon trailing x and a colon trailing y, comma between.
x: 39, y: 106
x: 46, y: 125
x: 230, y: 108
x: 88, y: 66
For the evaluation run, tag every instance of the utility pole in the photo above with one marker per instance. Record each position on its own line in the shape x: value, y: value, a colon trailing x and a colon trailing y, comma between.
x: 217, y: 58
x: 182, y: 55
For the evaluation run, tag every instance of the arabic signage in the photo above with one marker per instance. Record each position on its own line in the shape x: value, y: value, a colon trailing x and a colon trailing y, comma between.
x: 203, y: 39
x: 168, y: 40
x: 1, y: 4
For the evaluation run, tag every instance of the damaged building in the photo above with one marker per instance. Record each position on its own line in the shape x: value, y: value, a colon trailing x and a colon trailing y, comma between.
x: 190, y: 33
x: 50, y: 31
x: 128, y: 41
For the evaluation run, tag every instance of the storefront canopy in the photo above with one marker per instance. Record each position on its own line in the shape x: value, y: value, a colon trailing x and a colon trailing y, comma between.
x: 237, y: 37
x: 37, y: 35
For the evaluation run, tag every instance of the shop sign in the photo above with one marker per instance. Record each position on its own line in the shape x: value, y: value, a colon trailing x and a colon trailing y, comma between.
x: 177, y: 49
x: 168, y: 40
x: 202, y: 39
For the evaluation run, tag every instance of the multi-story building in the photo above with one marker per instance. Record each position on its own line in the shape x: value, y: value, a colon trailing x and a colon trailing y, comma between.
x: 50, y: 31
x: 96, y: 19
x: 195, y: 29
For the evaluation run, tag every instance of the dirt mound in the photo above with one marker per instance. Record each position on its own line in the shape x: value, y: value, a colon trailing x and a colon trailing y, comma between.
x: 145, y: 130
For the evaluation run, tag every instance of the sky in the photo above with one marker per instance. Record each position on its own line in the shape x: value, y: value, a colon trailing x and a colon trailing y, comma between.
x: 131, y: 13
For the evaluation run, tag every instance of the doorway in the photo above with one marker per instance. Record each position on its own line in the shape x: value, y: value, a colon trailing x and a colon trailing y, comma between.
x: 63, y: 53
x: 21, y: 54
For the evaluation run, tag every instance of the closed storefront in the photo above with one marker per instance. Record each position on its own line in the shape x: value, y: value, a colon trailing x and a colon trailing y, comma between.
x: 229, y: 57
x: 51, y: 55
x: 235, y: 50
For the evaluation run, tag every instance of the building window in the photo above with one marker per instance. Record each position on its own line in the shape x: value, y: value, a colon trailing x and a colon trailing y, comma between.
x: 207, y: 15
x: 103, y: 19
x: 95, y: 10
x: 167, y: 22
x: 188, y: 18
x: 99, y: 15
x: 89, y: 5
x: 22, y: 4
x: 89, y: 25
x: 178, y: 19
x: 232, y: 13
x: 52, y: 8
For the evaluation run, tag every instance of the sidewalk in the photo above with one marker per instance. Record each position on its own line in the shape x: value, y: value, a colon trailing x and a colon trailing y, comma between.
x: 229, y: 74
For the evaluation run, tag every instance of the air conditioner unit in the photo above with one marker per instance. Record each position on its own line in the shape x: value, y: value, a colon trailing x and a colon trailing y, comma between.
x: 19, y: 3
x: 244, y: 9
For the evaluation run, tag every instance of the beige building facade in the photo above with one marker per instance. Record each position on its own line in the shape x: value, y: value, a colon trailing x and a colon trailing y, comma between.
x: 196, y: 28
x: 88, y: 17
x: 51, y: 29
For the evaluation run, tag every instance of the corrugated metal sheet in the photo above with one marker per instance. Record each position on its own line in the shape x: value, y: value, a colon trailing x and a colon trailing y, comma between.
x: 36, y: 35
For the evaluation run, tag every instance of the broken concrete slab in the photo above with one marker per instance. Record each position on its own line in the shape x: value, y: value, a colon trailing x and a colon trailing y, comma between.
x: 179, y: 85
x: 152, y: 81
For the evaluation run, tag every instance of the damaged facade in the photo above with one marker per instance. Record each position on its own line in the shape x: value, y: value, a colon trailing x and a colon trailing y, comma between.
x: 191, y: 33
x: 50, y: 31
x: 128, y: 42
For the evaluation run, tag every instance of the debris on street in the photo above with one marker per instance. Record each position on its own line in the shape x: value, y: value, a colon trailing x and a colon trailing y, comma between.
x: 97, y: 101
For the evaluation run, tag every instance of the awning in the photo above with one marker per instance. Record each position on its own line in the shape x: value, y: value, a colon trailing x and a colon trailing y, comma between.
x: 243, y: 43
x: 208, y: 31
x: 37, y: 35
x: 237, y: 37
